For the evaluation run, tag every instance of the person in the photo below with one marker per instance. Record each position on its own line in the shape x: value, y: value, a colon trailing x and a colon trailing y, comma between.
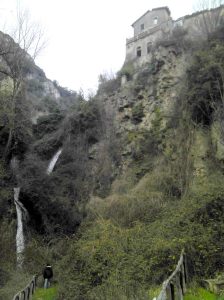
x: 47, y: 274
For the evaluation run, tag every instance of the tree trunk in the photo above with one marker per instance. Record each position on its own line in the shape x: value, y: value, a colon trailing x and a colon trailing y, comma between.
x: 8, y: 145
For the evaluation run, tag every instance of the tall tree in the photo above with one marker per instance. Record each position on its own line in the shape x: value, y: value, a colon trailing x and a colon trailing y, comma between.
x: 17, y: 54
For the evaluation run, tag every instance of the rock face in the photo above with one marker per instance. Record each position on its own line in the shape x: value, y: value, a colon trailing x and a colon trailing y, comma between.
x: 151, y: 98
x: 21, y: 79
x: 152, y: 93
x: 46, y: 96
x: 43, y: 94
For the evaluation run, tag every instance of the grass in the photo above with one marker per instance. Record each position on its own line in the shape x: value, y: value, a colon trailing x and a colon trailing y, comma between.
x: 45, y: 294
x: 202, y: 294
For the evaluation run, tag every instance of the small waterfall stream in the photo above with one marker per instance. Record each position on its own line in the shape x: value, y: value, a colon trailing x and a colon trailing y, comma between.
x: 53, y: 161
x: 20, y: 240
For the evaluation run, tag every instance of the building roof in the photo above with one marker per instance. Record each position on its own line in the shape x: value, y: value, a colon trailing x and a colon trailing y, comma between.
x: 163, y: 7
x: 158, y: 8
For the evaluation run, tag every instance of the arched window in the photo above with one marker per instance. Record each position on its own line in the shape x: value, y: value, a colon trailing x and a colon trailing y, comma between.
x: 149, y: 47
x: 139, y: 52
x: 155, y: 20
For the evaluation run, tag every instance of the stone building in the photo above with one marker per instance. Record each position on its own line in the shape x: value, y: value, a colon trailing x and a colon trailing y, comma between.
x: 152, y: 18
x: 148, y: 28
x: 157, y: 24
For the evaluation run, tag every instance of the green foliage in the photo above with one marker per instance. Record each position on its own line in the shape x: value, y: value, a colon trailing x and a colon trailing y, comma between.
x: 35, y: 87
x: 49, y: 104
x: 178, y: 40
x: 127, y: 70
x: 7, y: 239
x: 59, y: 205
x: 47, y: 124
x: 48, y: 145
x: 146, y: 144
x: 137, y: 113
x: 145, y: 75
x: 205, y: 79
x: 104, y: 256
x: 22, y: 132
x: 168, y: 194
x: 16, y: 281
x: 130, y: 241
x: 201, y: 294
x: 45, y: 294
x: 108, y: 83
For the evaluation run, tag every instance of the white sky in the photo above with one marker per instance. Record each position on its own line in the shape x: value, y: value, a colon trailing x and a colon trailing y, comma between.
x: 86, y: 37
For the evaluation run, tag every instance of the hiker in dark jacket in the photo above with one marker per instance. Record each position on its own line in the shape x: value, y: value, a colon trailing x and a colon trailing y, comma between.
x: 47, y: 274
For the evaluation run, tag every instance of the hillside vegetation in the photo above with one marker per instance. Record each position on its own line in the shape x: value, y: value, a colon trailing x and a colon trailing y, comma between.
x: 140, y: 177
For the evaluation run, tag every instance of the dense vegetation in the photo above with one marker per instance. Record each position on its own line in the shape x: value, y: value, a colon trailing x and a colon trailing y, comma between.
x: 124, y: 198
x: 170, y: 197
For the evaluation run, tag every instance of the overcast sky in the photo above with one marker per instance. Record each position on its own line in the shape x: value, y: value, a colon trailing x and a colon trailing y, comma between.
x: 86, y: 37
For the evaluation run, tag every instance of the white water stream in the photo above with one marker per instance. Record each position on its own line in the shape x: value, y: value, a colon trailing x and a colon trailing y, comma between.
x: 20, y: 241
x: 53, y: 161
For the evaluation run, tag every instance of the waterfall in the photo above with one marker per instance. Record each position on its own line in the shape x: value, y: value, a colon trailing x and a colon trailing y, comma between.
x: 21, y: 211
x: 53, y: 161
x: 21, y: 214
x: 20, y: 241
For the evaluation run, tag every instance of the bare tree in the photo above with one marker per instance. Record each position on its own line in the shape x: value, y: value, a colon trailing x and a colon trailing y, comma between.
x: 27, y: 33
x: 211, y: 15
x: 207, y: 4
x: 16, y: 55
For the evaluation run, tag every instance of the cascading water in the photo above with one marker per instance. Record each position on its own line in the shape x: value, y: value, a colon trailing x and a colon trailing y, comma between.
x: 53, y: 161
x: 21, y: 214
x: 20, y: 241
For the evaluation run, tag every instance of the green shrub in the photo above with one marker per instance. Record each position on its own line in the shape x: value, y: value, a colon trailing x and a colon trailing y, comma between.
x: 205, y: 79
x: 17, y: 280
x: 137, y: 113
x: 127, y: 70
x: 108, y: 84
x: 201, y: 294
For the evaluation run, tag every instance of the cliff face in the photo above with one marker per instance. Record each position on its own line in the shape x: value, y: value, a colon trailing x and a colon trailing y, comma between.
x: 141, y: 170
x: 166, y: 189
x: 149, y: 99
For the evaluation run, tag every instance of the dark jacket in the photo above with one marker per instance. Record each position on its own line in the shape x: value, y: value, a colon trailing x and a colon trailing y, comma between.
x: 48, y: 272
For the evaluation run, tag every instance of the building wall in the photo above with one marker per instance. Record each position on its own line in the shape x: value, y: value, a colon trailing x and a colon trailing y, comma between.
x: 200, y: 25
x: 142, y: 40
x: 148, y: 20
x: 131, y: 48
x: 194, y: 25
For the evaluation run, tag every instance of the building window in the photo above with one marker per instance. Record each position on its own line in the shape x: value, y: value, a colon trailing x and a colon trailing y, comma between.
x: 142, y: 27
x: 139, y: 52
x: 155, y: 20
x: 149, y: 47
